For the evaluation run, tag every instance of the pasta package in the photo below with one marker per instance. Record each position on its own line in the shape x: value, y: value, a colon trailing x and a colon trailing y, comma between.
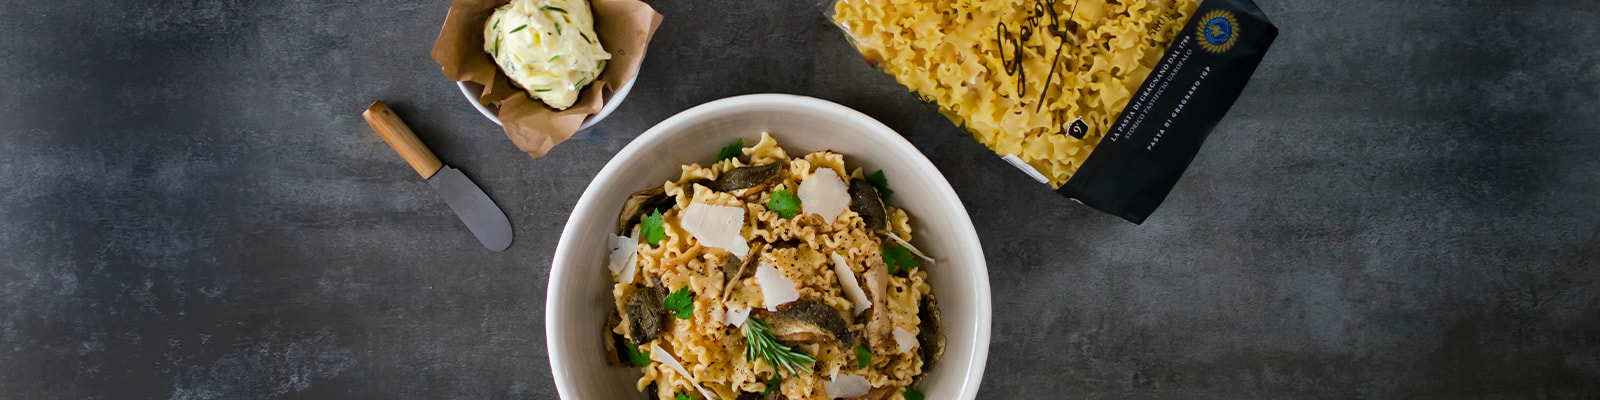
x: 1106, y: 101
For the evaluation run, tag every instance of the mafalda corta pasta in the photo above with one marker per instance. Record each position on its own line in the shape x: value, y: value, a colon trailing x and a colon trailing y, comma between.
x: 965, y: 56
x: 1106, y: 101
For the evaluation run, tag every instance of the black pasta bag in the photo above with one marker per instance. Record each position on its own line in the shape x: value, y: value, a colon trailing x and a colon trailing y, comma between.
x: 1162, y: 127
x: 1158, y: 132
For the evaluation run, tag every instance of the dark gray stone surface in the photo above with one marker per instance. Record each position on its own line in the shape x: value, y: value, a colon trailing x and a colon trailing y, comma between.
x: 1402, y: 205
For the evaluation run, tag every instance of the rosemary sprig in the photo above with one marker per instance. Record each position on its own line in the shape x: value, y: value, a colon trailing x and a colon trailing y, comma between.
x: 759, y: 343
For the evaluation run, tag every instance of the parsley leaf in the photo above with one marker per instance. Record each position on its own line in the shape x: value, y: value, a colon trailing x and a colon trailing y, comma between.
x: 772, y: 385
x: 681, y: 396
x: 899, y: 258
x: 785, y: 203
x: 639, y: 358
x: 650, y: 228
x: 881, y: 183
x: 913, y: 394
x: 681, y: 302
x: 863, y: 357
x: 732, y: 150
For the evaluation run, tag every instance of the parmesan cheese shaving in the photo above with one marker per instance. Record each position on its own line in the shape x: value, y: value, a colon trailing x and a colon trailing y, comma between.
x: 662, y: 356
x: 905, y: 339
x: 852, y: 288
x: 630, y: 270
x: 847, y: 386
x: 623, y: 251
x: 908, y: 246
x: 716, y: 226
x: 667, y: 359
x: 775, y: 289
x: 737, y: 316
x: 710, y: 395
x: 824, y: 194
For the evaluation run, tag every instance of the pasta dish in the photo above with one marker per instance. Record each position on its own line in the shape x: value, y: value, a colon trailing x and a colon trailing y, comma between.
x: 770, y: 276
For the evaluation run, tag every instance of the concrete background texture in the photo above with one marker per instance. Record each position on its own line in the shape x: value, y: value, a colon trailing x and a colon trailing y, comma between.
x: 1402, y: 204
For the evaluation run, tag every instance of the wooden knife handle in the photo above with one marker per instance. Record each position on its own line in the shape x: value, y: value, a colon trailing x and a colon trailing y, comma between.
x: 400, y: 137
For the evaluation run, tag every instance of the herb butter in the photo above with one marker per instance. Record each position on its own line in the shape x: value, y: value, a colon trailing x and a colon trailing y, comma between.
x: 547, y: 47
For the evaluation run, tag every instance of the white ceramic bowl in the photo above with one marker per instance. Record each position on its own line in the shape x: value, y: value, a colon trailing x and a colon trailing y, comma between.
x: 611, y: 100
x: 579, y: 299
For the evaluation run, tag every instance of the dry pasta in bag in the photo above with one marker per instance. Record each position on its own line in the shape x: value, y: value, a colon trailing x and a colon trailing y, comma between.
x: 1106, y: 101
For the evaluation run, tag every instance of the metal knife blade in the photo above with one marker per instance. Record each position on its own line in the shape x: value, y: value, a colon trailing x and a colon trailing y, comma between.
x: 475, y: 209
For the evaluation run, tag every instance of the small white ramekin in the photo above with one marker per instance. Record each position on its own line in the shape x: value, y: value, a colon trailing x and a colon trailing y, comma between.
x: 470, y: 90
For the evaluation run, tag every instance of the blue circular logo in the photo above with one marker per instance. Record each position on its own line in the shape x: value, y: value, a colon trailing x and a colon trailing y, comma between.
x: 1218, y: 32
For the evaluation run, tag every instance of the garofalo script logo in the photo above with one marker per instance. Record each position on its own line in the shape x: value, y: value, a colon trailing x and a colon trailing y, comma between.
x: 1218, y: 31
x: 1041, y: 15
x: 1011, y: 45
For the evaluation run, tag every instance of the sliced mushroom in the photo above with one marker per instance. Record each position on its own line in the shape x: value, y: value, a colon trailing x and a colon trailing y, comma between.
x: 614, y: 355
x: 730, y: 271
x: 645, y: 313
x: 932, y: 330
x: 756, y: 178
x: 758, y: 396
x: 864, y: 200
x: 642, y: 204
x: 810, y: 321
x: 712, y: 391
x: 878, y: 393
x: 744, y: 269
x: 878, y: 323
x: 930, y: 333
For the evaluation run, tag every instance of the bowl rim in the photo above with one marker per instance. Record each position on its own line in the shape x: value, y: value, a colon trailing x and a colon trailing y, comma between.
x: 587, y: 204
x: 610, y: 100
